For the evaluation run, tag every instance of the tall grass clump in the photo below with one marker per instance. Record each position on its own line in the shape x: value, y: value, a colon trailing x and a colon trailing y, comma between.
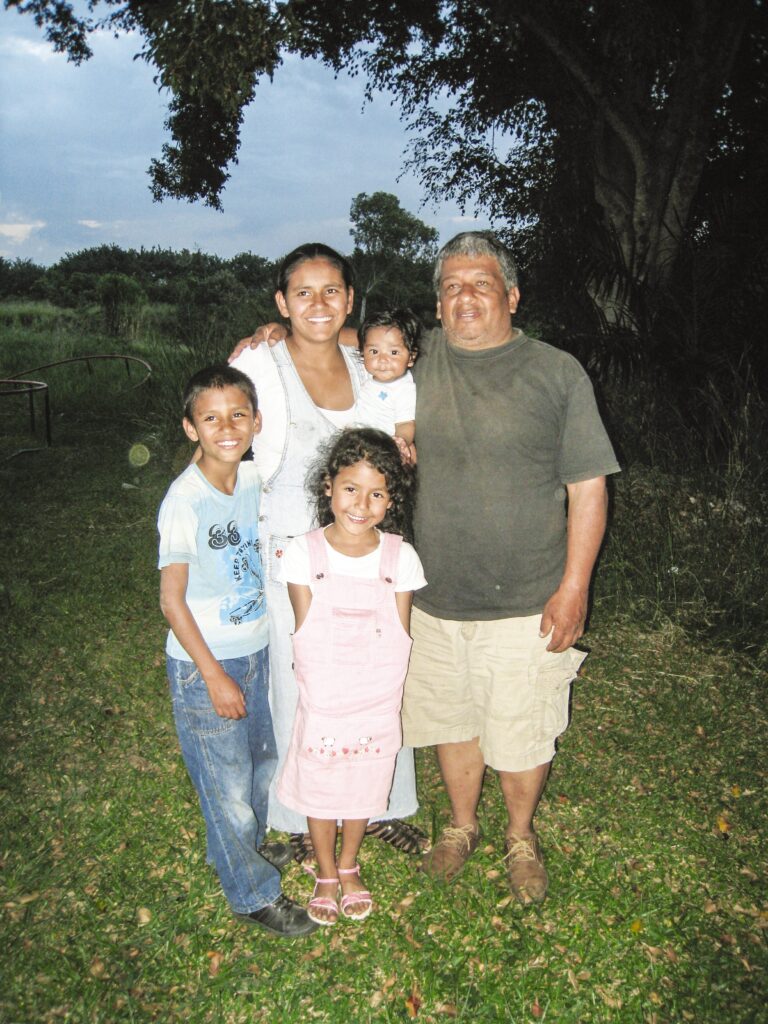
x: 687, y: 538
x: 204, y: 331
x: 175, y: 339
x: 36, y: 334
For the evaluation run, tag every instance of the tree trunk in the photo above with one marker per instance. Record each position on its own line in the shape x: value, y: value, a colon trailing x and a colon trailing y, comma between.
x: 647, y: 171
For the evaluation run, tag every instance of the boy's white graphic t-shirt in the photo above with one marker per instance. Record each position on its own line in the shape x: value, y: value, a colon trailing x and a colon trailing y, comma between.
x: 383, y: 405
x: 217, y: 535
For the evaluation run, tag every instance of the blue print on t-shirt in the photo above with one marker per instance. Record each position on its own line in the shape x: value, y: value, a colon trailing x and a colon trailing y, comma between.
x: 239, y: 550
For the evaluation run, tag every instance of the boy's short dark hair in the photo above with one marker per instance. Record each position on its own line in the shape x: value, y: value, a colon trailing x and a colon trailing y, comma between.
x: 218, y: 377
x: 404, y: 320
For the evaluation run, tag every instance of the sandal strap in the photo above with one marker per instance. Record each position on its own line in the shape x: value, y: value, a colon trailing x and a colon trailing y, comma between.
x: 349, y: 871
x: 302, y: 846
x: 400, y: 834
x: 363, y: 896
x: 318, y: 881
x: 324, y: 903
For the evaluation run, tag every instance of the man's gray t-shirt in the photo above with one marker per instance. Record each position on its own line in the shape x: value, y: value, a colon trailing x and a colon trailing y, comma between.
x: 499, y: 432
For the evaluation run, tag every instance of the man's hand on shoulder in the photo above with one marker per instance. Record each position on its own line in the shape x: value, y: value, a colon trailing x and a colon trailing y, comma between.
x: 271, y: 333
x: 564, y: 616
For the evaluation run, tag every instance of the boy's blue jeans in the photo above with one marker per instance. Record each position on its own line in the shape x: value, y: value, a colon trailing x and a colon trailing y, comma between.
x: 231, y: 763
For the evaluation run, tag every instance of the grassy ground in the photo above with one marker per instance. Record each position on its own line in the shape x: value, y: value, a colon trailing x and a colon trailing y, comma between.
x: 651, y: 821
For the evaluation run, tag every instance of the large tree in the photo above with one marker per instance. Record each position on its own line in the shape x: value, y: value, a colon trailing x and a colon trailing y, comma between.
x: 595, y: 119
x: 394, y: 252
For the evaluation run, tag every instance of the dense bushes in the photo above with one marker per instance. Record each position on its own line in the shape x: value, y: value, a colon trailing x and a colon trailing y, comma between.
x: 687, y: 413
x: 689, y: 512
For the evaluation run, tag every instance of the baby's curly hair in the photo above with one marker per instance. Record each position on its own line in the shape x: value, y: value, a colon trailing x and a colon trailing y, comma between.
x: 364, y: 444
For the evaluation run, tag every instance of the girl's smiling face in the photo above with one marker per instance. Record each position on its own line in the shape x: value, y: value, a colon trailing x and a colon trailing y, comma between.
x: 317, y: 301
x: 359, y: 498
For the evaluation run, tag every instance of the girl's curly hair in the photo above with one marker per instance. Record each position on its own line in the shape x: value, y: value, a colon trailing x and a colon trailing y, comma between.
x: 364, y: 444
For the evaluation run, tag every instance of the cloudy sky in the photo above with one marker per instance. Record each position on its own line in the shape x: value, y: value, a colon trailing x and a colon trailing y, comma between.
x: 75, y: 145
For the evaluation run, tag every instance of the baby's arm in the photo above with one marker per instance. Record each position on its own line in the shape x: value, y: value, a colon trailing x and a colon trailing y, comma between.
x: 405, y: 415
x: 226, y: 696
x: 301, y: 599
x: 406, y: 448
x: 404, y: 599
x: 406, y: 430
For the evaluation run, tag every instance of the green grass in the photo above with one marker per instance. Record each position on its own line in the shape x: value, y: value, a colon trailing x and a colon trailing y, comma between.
x: 651, y: 821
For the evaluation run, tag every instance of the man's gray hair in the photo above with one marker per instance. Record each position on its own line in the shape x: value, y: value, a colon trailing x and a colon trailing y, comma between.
x: 477, y: 243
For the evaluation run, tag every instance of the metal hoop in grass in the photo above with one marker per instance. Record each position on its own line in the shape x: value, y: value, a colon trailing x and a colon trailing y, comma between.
x: 19, y: 385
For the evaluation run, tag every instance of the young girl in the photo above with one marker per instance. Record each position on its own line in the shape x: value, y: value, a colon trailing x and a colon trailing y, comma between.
x: 351, y: 588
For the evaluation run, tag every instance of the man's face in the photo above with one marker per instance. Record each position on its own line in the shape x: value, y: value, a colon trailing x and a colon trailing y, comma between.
x: 474, y: 305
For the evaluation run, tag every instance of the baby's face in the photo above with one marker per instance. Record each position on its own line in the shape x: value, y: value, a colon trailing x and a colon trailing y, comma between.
x: 385, y: 354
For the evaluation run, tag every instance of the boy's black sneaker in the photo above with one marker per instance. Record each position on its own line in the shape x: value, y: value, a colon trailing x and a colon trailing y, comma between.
x: 283, y: 917
x: 278, y: 854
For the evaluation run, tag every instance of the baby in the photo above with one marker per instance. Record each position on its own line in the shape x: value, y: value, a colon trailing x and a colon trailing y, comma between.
x: 389, y: 344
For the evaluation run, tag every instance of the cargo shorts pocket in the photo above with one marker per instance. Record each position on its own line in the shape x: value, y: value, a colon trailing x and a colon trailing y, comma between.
x: 550, y: 681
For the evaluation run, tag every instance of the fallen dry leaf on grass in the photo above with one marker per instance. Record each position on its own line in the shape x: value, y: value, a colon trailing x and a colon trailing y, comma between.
x: 609, y: 998
x: 97, y: 968
x: 412, y: 1004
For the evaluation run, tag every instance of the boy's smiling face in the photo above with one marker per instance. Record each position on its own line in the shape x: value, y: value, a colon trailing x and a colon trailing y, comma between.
x: 385, y: 354
x: 223, y: 424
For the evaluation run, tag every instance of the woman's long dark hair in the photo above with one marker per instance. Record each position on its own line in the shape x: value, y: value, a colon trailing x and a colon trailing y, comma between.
x: 364, y: 444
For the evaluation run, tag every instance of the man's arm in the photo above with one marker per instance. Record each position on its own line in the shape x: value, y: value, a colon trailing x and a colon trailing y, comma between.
x: 565, y: 612
x: 226, y: 696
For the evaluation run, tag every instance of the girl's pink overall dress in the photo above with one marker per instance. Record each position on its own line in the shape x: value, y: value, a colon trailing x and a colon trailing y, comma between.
x: 351, y: 655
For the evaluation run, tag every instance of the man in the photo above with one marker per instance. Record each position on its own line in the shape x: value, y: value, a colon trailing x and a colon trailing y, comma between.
x: 507, y: 432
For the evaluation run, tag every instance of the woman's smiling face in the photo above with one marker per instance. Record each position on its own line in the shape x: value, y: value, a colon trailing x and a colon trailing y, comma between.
x: 317, y: 301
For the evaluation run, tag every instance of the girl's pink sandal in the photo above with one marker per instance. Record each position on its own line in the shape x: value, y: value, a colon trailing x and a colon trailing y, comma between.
x: 322, y: 902
x: 361, y: 899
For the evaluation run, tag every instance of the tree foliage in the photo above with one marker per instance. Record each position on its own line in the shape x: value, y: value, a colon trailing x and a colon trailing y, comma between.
x: 393, y: 255
x: 19, y: 278
x: 122, y: 300
x: 601, y: 134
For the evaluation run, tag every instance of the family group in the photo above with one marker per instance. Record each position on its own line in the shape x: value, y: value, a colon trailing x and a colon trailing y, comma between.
x: 385, y: 540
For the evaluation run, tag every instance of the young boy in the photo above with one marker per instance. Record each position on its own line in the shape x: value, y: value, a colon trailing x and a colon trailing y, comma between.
x: 212, y: 594
x: 389, y: 344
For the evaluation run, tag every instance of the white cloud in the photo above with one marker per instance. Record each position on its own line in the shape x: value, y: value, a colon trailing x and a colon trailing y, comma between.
x: 91, y: 223
x: 19, y: 233
x: 17, y: 46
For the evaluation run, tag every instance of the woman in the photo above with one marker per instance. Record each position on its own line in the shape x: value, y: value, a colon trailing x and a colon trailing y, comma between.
x: 307, y: 386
